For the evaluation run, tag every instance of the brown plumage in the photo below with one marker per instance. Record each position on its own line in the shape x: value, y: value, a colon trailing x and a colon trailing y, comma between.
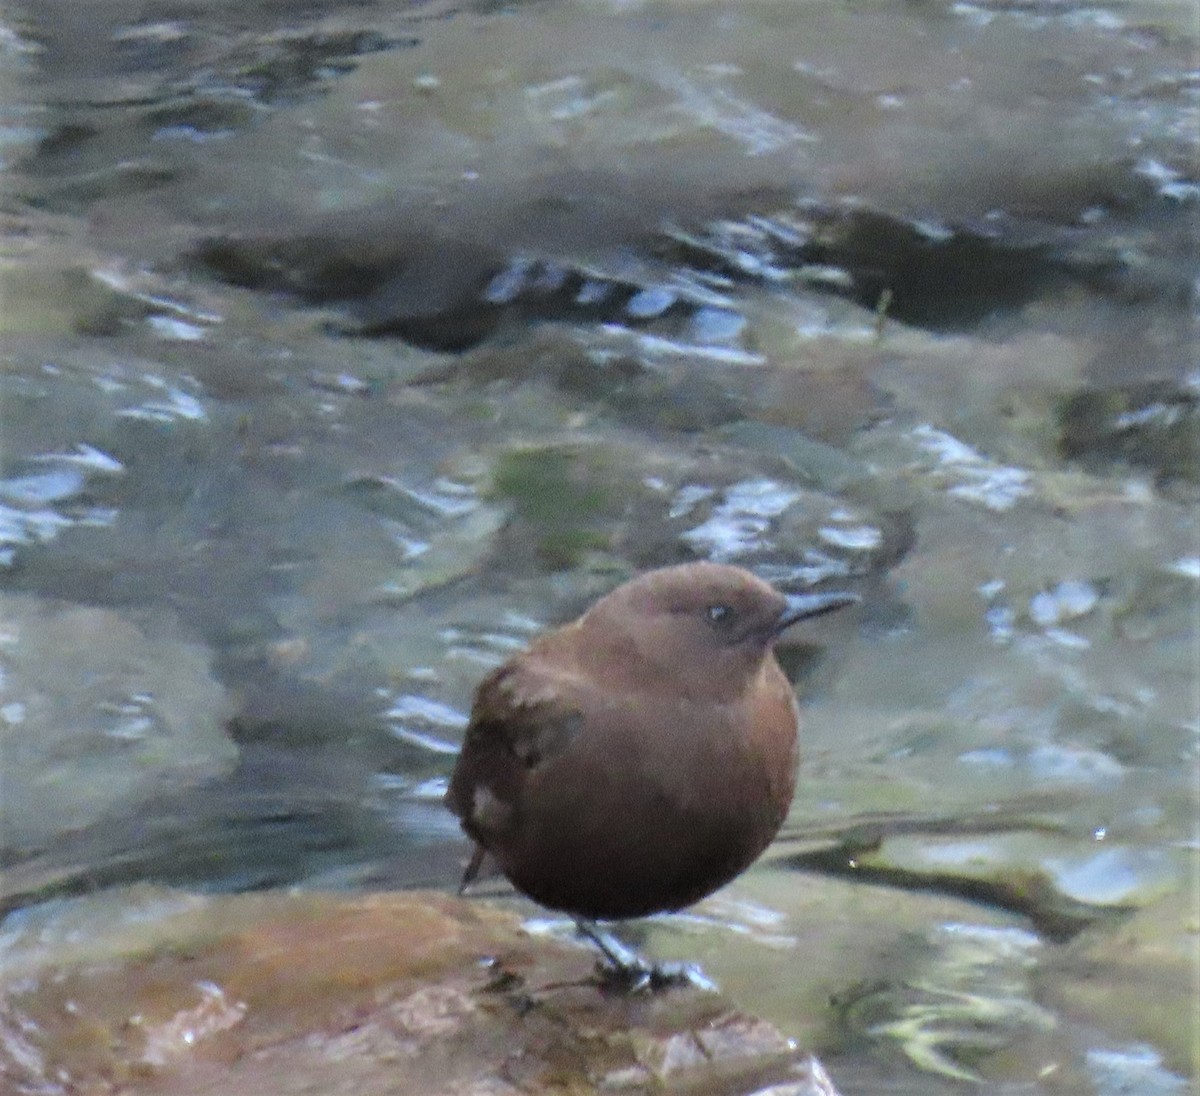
x: 642, y: 756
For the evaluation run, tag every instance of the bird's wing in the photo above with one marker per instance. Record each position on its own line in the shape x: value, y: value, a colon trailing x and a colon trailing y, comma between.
x: 522, y: 716
x: 533, y: 711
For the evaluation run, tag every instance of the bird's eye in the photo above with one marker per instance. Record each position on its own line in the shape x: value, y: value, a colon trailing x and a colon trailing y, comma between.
x: 720, y: 616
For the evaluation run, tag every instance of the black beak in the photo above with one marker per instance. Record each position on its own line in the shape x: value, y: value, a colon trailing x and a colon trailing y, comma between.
x: 802, y: 606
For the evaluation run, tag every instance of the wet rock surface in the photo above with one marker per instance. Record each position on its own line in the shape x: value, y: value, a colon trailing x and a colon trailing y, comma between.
x: 415, y: 993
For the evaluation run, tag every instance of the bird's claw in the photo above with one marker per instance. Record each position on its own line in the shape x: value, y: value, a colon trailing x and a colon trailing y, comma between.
x: 643, y: 977
x: 624, y: 969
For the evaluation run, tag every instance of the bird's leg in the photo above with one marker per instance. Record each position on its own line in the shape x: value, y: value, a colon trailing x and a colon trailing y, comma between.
x: 630, y: 970
x: 619, y: 954
x: 478, y: 852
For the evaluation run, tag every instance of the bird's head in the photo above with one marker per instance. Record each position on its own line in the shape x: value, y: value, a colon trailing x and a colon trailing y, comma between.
x: 701, y: 628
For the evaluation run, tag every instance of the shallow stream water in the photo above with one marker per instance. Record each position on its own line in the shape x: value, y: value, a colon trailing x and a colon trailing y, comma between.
x: 345, y: 347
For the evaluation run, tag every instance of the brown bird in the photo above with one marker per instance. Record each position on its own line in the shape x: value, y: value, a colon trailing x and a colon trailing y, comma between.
x: 640, y: 757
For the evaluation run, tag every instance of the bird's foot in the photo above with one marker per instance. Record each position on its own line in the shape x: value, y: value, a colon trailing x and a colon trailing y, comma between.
x: 624, y: 969
x: 653, y: 977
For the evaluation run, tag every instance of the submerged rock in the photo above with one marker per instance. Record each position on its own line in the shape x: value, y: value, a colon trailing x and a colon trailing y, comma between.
x: 1150, y: 425
x: 100, y: 712
x: 1061, y: 887
x: 1137, y: 984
